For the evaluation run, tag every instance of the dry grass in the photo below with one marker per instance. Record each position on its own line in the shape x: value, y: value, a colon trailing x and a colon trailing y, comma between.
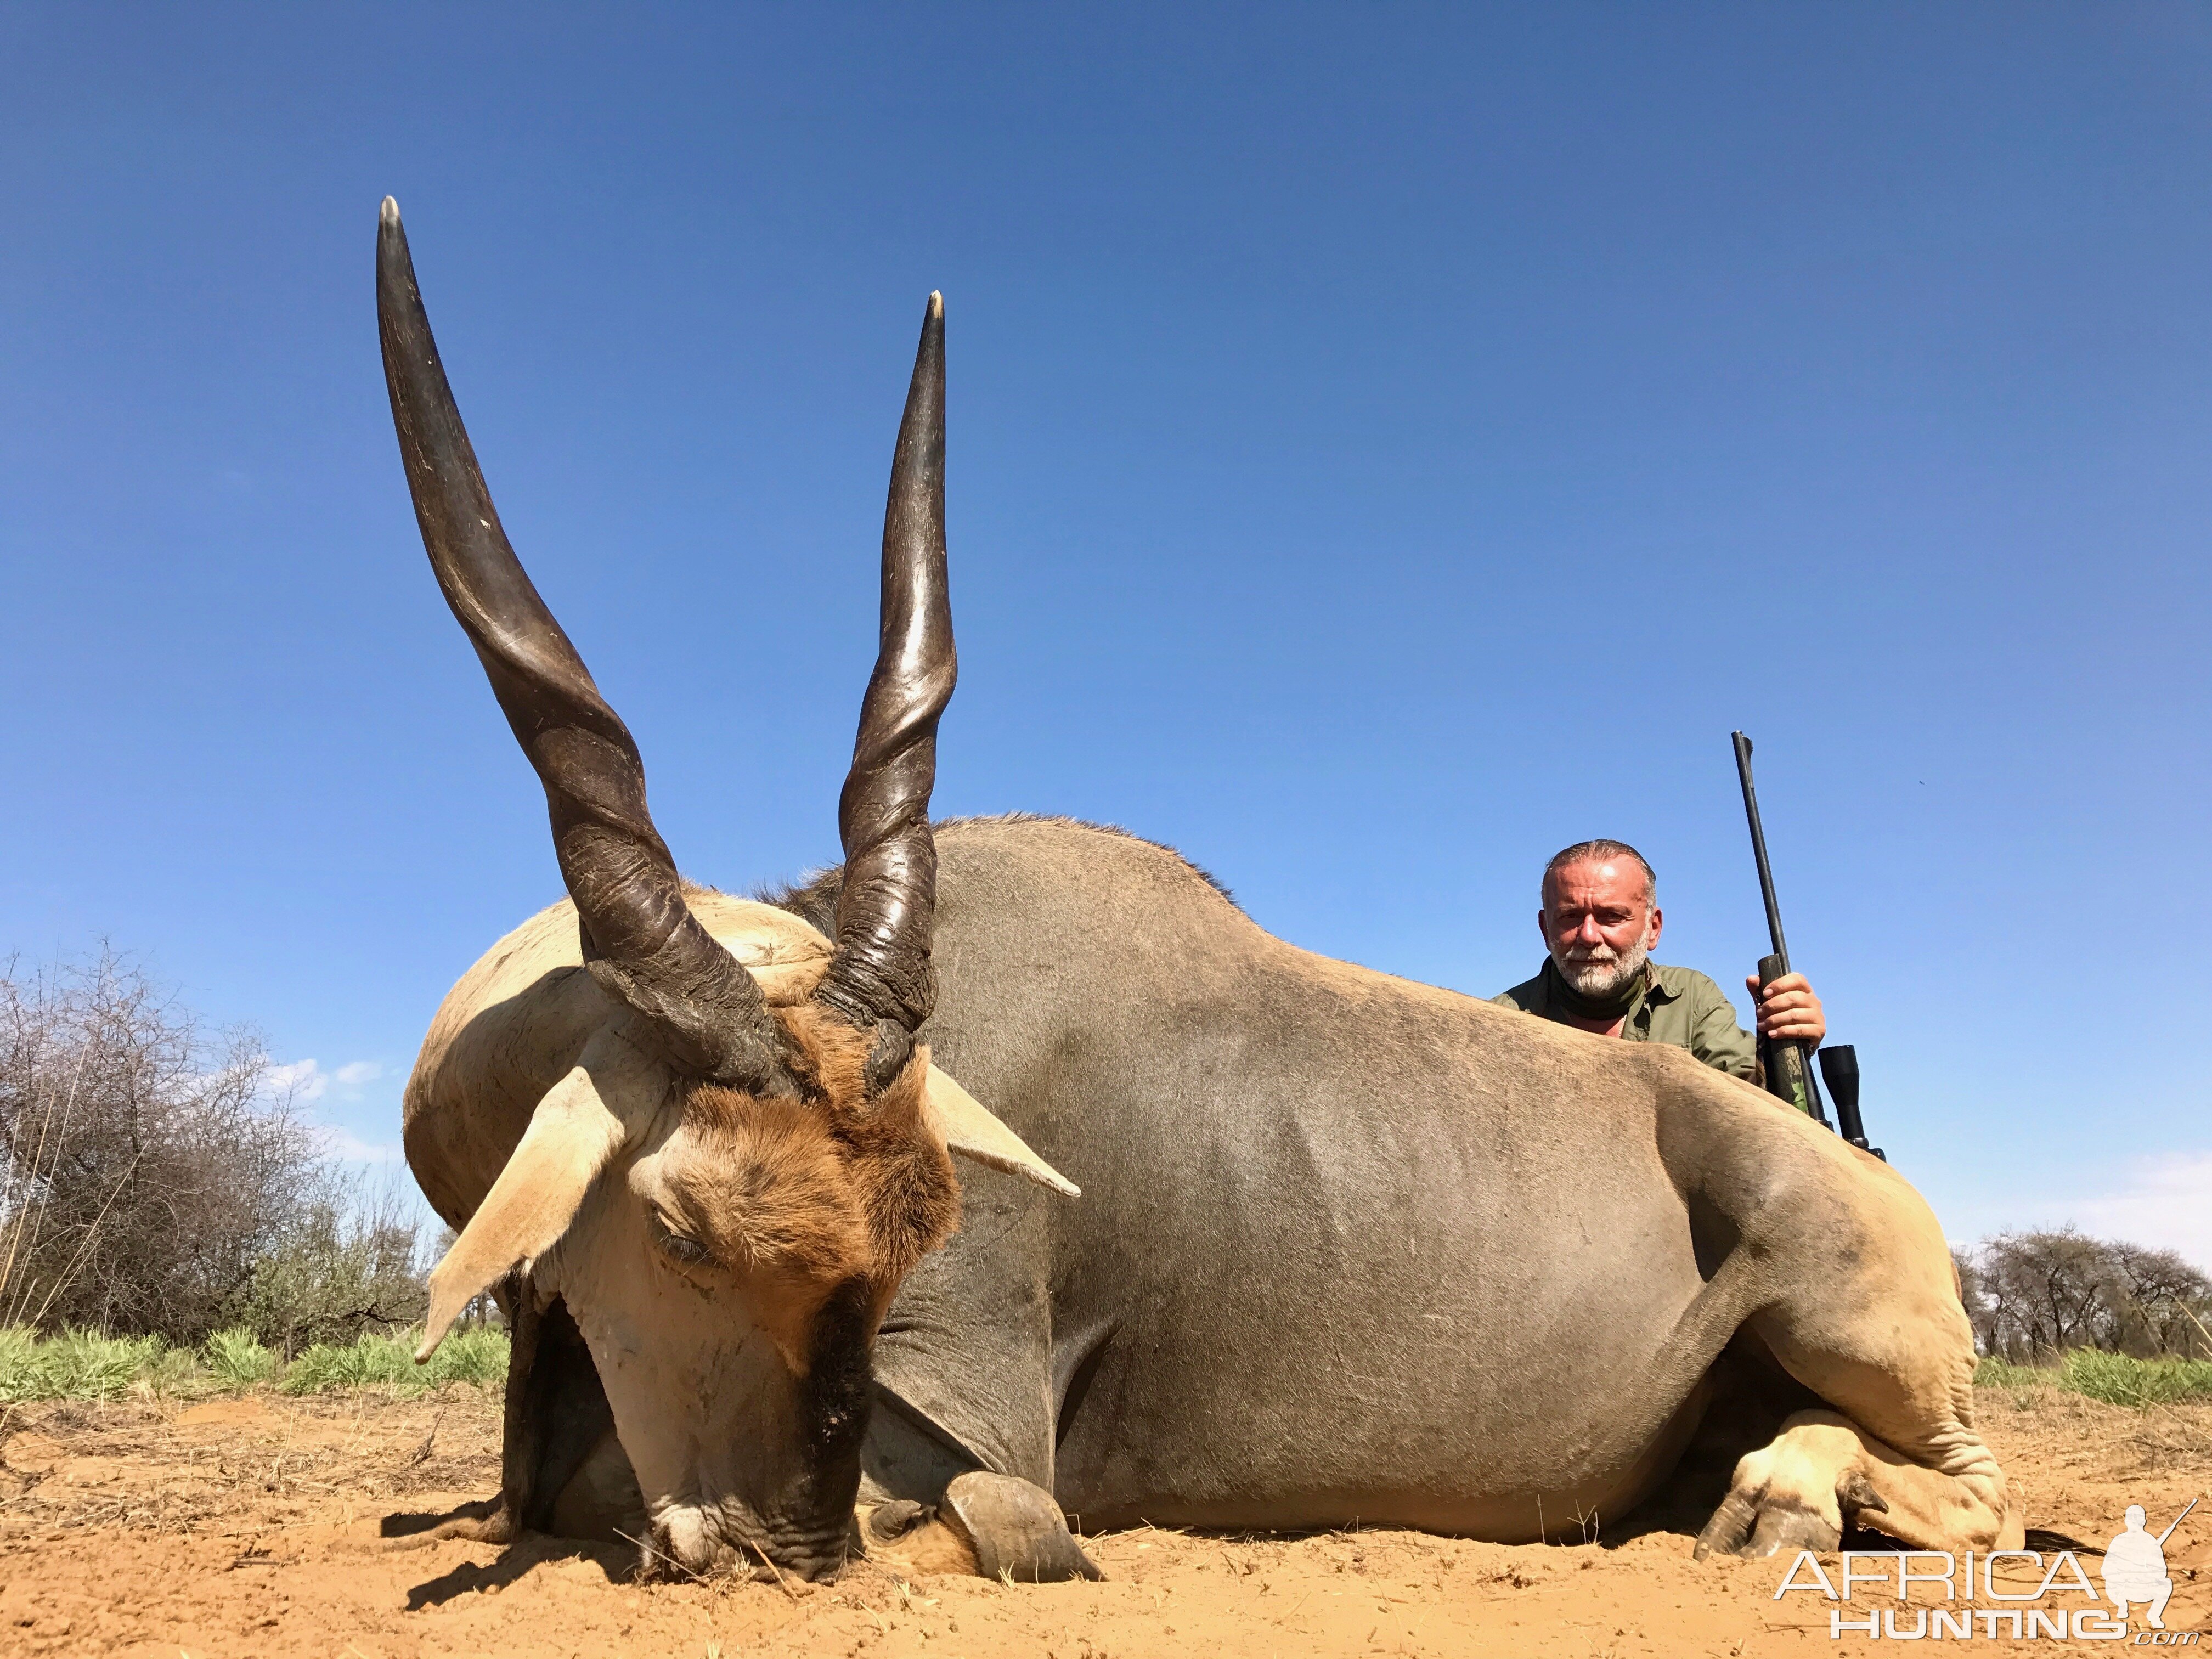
x: 261, y: 1526
x: 256, y: 1458
x: 2061, y: 1430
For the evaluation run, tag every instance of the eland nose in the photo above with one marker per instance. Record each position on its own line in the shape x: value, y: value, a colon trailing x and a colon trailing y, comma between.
x: 682, y: 1547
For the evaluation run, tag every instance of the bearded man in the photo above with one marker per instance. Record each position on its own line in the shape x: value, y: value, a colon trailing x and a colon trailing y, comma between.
x: 1601, y: 920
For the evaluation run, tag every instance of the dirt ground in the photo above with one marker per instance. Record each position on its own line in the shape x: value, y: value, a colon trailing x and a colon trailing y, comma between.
x: 258, y: 1526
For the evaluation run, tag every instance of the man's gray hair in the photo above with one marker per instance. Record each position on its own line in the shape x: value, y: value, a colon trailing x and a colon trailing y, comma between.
x: 1583, y: 851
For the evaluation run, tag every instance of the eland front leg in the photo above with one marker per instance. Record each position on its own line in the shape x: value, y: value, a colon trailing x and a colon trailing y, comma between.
x: 1890, y: 1348
x: 1854, y: 1294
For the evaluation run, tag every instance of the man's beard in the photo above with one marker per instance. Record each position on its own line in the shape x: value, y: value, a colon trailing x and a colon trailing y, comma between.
x: 1599, y: 971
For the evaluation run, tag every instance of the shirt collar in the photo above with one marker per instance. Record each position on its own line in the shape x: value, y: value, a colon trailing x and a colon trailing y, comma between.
x: 1554, y: 983
x: 1660, y: 983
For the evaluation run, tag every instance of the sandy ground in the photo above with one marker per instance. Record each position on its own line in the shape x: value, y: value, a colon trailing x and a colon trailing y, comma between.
x: 258, y: 1526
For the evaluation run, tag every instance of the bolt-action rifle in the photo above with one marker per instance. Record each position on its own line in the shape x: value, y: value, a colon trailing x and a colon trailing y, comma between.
x: 1789, y: 1066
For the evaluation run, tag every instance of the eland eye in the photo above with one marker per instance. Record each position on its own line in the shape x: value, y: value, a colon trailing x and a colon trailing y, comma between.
x: 678, y: 1246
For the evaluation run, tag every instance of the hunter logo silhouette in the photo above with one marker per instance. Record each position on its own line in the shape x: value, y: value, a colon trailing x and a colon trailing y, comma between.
x: 2135, y: 1567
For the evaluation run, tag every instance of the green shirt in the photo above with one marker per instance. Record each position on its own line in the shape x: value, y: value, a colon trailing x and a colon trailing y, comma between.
x: 1677, y: 1006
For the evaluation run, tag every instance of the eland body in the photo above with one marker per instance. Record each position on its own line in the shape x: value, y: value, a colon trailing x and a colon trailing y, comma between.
x: 1346, y: 1248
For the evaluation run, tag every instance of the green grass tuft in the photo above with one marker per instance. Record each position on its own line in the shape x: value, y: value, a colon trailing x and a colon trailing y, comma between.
x: 476, y: 1355
x: 237, y: 1360
x: 19, y: 1364
x: 85, y: 1365
x: 369, y: 1362
x: 2114, y: 1378
x: 2119, y: 1381
x: 170, y: 1372
x: 388, y: 1362
x: 79, y: 1365
x: 1996, y: 1373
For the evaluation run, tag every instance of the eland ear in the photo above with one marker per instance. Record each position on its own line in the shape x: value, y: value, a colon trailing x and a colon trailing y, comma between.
x: 971, y: 1132
x: 605, y: 1104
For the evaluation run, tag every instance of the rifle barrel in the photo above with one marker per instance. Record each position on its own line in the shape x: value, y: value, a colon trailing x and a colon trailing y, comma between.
x: 1792, y: 1074
x: 1759, y: 848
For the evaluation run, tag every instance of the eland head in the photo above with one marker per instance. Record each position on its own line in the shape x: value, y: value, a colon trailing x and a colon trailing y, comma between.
x: 732, y: 1181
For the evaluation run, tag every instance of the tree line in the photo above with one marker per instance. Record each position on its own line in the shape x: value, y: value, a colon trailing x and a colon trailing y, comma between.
x: 157, y: 1179
x: 2033, y: 1295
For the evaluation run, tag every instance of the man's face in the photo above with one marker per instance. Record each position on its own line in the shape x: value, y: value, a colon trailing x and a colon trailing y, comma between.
x: 1599, y: 923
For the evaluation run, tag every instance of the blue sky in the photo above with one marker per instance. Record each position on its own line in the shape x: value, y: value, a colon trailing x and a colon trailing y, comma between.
x: 1386, y: 444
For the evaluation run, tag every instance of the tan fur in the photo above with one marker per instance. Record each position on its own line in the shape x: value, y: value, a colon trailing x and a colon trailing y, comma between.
x: 1864, y: 1310
x: 801, y: 1195
x: 901, y: 1173
x: 516, y: 1023
x: 608, y: 1101
x: 763, y: 1184
x: 933, y: 1546
x: 1821, y: 1461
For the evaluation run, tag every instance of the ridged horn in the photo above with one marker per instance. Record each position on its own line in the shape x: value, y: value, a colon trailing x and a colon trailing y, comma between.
x: 880, y: 977
x: 642, y: 944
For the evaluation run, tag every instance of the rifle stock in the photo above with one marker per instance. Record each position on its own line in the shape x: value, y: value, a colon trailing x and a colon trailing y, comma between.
x: 1789, y: 1075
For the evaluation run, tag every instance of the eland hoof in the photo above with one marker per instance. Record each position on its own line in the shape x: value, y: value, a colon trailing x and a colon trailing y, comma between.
x: 489, y: 1520
x: 911, y: 1539
x: 888, y: 1522
x: 1016, y: 1529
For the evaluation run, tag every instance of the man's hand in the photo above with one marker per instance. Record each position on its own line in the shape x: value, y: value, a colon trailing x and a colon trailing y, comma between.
x: 1788, y: 1010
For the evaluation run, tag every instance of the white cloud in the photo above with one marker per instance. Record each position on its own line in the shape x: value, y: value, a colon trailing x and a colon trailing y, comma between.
x: 307, y: 1080
x: 2167, y: 1203
x: 349, y: 1147
x: 302, y: 1079
x: 2163, y: 1200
